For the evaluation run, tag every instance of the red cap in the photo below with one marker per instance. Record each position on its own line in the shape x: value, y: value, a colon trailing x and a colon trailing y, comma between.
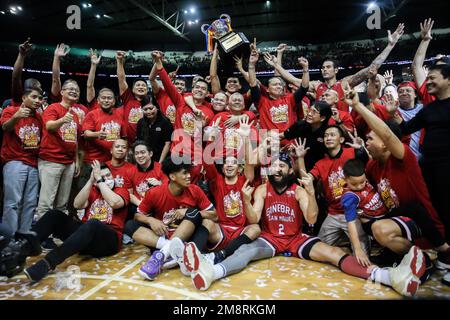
x: 408, y: 84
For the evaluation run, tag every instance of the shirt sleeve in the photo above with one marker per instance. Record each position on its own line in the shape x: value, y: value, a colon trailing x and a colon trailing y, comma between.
x: 124, y: 194
x: 202, y: 200
x: 315, y: 172
x: 146, y: 205
x: 350, y: 202
x: 7, y: 114
x: 89, y: 123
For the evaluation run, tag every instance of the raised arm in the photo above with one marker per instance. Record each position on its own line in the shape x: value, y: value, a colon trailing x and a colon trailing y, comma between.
x: 362, y: 75
x: 90, y: 90
x: 250, y: 212
x: 393, y: 144
x: 305, y: 195
x: 121, y: 77
x: 273, y: 61
x: 215, y: 81
x: 419, y: 58
x: 244, y: 131
x: 16, y: 81
x: 61, y: 51
x: 172, y: 92
x: 152, y: 77
x: 280, y: 50
x: 240, y: 67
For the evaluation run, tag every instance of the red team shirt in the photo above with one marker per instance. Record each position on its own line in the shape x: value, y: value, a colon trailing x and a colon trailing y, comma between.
x: 60, y: 145
x: 166, y: 105
x: 401, y: 182
x: 132, y: 113
x: 330, y: 172
x: 139, y: 179
x: 322, y: 87
x: 161, y: 204
x: 123, y: 174
x: 98, y: 208
x: 346, y: 119
x: 112, y: 124
x: 22, y: 143
x: 277, y: 114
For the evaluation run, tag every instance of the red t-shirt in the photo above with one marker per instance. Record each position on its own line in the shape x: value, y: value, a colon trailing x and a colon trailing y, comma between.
x: 112, y: 124
x: 282, y: 215
x: 60, y: 145
x: 346, y: 119
x: 228, y: 198
x: 139, y: 179
x: 98, y: 208
x: 278, y: 114
x: 379, y: 110
x: 132, y: 113
x: 184, y: 119
x: 166, y: 105
x: 330, y: 172
x: 401, y: 182
x: 22, y: 143
x: 322, y: 87
x: 424, y: 96
x: 123, y: 174
x: 78, y: 108
x: 161, y: 203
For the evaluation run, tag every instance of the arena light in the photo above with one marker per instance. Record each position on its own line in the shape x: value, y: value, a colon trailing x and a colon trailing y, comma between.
x: 372, y: 5
x: 192, y: 9
x: 2, y: 12
x: 19, y: 8
x: 185, y: 11
x: 97, y: 16
x: 268, y: 3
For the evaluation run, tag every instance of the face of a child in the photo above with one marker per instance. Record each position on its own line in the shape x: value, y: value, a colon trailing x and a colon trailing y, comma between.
x: 356, y: 183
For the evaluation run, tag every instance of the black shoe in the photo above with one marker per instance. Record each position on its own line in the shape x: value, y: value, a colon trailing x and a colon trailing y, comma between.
x: 386, y: 258
x: 48, y: 245
x: 443, y: 260
x: 37, y: 271
x: 429, y: 270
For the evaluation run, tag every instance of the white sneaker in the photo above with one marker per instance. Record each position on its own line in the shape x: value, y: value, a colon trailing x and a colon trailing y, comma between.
x: 405, y: 278
x: 201, y: 268
x: 176, y: 250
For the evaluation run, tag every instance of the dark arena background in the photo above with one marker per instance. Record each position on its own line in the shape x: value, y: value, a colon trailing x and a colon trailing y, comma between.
x: 393, y: 55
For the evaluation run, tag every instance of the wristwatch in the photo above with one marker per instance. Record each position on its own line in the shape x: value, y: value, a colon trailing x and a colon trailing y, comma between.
x: 100, y: 180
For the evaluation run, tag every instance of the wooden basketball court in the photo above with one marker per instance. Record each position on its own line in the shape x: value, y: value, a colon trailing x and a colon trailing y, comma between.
x: 117, y: 277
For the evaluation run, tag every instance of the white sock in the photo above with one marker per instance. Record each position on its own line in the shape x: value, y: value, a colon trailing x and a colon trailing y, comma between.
x: 165, y: 250
x: 161, y: 242
x: 381, y: 275
x: 219, y: 271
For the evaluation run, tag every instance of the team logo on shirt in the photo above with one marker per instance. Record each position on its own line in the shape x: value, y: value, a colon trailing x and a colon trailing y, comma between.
x: 119, y: 181
x: 171, y: 112
x: 233, y: 204
x: 232, y: 139
x: 30, y: 136
x: 101, y: 211
x: 142, y: 188
x: 188, y: 123
x: 69, y: 132
x: 168, y: 219
x: 80, y: 113
x: 112, y: 130
x: 135, y: 115
x: 388, y: 194
x: 279, y: 114
x: 336, y: 183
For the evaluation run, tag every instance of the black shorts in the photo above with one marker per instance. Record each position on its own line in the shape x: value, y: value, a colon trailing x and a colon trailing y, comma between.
x: 131, y: 227
x: 410, y: 229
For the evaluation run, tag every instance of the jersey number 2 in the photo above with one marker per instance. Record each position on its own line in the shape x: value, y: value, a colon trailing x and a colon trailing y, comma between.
x: 281, y: 229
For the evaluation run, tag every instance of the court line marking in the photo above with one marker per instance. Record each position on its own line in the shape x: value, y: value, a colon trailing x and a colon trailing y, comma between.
x: 106, y: 282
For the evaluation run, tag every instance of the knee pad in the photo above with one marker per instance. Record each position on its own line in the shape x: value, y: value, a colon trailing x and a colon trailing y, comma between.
x: 193, y: 215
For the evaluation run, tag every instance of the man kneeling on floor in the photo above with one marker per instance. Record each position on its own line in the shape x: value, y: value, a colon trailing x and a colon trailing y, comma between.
x: 280, y: 204
x: 99, y: 233
x: 168, y: 215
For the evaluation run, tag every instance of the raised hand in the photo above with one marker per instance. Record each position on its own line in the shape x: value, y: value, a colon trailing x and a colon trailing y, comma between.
x: 244, y: 127
x: 253, y: 45
x: 394, y: 37
x: 425, y: 29
x: 335, y: 114
x: 299, y: 148
x: 281, y: 47
x: 238, y: 61
x: 391, y: 104
x: 389, y: 76
x: 254, y: 57
x: 208, y: 79
x: 270, y: 59
x: 157, y: 56
x: 173, y: 74
x: 357, y: 142
x: 25, y: 48
x: 303, y: 62
x: 61, y: 50
x: 96, y: 170
x: 22, y: 113
x: 350, y: 95
x: 247, y: 191
x: 68, y: 117
x: 306, y: 182
x: 120, y: 55
x: 95, y: 59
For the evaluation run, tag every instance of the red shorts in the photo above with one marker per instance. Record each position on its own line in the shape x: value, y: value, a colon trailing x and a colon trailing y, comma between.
x: 228, y: 233
x: 298, y: 245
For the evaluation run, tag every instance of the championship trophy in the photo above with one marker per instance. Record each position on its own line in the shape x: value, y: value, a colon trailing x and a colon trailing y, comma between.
x: 231, y: 43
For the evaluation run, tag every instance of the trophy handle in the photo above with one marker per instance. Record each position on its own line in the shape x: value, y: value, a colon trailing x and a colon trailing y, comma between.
x: 204, y: 28
x: 225, y: 17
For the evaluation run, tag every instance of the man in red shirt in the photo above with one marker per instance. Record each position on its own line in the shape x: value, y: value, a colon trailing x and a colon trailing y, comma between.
x: 329, y: 171
x: 281, y: 205
x: 99, y: 233
x: 395, y: 172
x: 122, y: 170
x: 101, y: 128
x: 22, y: 132
x: 339, y: 117
x: 132, y: 111
x: 169, y: 211
x: 186, y: 141
x: 58, y: 157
